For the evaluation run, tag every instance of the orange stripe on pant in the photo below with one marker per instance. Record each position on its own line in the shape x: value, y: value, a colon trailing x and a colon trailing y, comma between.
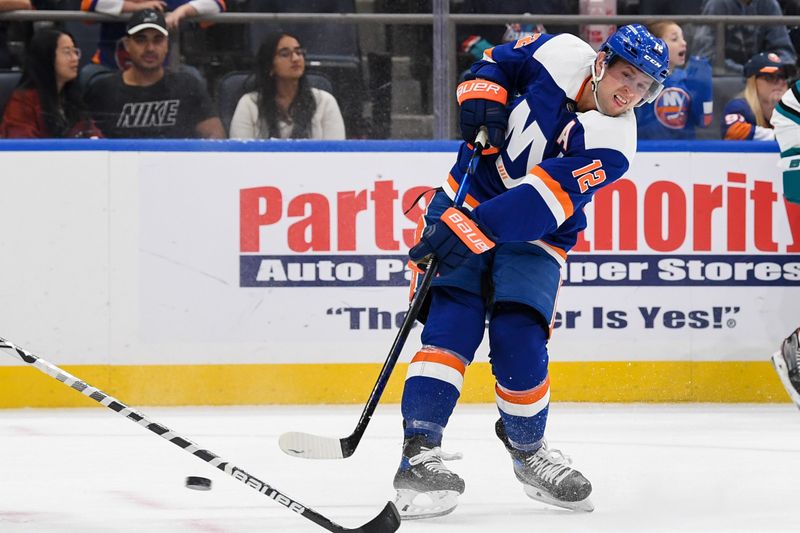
x: 436, y: 363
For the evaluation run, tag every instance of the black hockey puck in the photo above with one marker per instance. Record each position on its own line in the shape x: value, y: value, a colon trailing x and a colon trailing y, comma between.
x: 198, y: 483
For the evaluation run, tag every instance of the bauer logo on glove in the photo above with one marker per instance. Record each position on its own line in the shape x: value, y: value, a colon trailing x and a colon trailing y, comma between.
x: 453, y: 239
x: 466, y: 230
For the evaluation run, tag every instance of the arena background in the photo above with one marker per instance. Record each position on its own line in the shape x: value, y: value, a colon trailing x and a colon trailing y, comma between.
x: 214, y: 273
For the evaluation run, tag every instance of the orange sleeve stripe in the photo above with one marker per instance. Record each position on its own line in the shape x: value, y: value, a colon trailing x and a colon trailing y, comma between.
x: 86, y: 4
x: 526, y: 397
x: 556, y: 250
x: 560, y: 194
x: 469, y: 200
x: 443, y: 358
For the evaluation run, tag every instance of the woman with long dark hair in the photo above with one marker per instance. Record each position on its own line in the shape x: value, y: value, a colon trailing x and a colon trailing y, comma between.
x: 283, y: 105
x: 47, y: 102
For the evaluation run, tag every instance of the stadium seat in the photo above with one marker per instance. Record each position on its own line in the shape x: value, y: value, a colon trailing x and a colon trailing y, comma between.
x: 234, y: 85
x: 90, y: 73
x: 8, y: 82
x: 725, y: 89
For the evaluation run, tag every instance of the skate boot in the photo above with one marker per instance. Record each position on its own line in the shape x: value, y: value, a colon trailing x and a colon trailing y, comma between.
x: 547, y: 476
x: 787, y: 364
x: 425, y: 486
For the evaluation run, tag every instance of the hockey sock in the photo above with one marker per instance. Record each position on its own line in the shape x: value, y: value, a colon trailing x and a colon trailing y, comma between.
x: 519, y: 362
x: 452, y: 333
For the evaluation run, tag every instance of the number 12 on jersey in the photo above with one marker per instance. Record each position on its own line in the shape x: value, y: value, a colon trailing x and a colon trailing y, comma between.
x: 590, y: 175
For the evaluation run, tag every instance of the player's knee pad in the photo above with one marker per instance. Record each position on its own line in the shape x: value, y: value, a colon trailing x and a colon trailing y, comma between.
x: 518, y: 346
x: 456, y: 321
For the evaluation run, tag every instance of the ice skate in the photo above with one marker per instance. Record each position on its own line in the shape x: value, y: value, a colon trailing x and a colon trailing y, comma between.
x: 547, y: 476
x: 425, y: 486
x: 787, y: 365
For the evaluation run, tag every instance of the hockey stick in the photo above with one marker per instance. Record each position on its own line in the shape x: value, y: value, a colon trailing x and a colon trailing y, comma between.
x: 386, y: 522
x: 310, y: 446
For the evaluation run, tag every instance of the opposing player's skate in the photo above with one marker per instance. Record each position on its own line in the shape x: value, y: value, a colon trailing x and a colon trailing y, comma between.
x: 547, y: 476
x: 787, y: 364
x: 425, y: 486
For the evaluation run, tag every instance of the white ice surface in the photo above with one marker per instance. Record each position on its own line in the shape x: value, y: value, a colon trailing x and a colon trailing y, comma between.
x: 703, y: 468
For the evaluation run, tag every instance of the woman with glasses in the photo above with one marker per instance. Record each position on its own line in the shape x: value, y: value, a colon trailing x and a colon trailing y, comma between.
x: 284, y: 105
x: 47, y: 102
x: 746, y: 117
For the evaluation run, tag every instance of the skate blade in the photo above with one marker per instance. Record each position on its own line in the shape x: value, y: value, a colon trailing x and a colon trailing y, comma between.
x: 533, y: 493
x: 413, y: 505
x: 783, y: 374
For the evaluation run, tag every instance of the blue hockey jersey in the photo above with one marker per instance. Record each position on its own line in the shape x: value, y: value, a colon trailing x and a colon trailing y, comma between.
x: 685, y: 103
x: 554, y: 158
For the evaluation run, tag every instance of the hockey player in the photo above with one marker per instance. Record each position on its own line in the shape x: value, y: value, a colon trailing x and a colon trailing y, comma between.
x: 786, y: 121
x: 560, y: 118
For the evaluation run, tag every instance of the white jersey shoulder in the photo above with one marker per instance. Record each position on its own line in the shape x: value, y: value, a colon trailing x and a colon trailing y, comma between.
x: 568, y: 60
x: 786, y: 121
x: 615, y: 133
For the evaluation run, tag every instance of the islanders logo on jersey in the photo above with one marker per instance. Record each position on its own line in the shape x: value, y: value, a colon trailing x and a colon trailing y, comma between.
x: 672, y: 108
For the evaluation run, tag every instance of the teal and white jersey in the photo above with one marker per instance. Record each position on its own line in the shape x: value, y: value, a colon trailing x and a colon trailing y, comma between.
x: 786, y: 121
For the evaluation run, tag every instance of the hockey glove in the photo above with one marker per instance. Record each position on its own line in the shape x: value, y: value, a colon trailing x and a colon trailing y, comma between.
x: 453, y: 239
x: 483, y: 103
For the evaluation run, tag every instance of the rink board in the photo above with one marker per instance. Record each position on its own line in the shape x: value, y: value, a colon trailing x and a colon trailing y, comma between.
x: 175, y: 273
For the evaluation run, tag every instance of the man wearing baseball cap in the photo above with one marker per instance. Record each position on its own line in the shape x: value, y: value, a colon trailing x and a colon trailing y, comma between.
x: 146, y: 100
x: 746, y: 117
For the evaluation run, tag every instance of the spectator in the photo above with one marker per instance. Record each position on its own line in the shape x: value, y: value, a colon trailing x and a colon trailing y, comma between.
x: 672, y: 7
x: 686, y: 101
x: 47, y: 102
x: 6, y: 59
x: 146, y: 100
x: 747, y: 116
x: 473, y: 40
x: 110, y: 52
x: 283, y: 105
x: 791, y: 8
x: 744, y: 41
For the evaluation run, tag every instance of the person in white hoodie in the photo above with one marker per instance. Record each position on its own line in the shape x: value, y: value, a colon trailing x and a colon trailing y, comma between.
x: 284, y: 105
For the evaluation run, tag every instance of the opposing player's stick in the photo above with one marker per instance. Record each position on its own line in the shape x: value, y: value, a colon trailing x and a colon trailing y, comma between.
x: 386, y: 522
x: 311, y: 446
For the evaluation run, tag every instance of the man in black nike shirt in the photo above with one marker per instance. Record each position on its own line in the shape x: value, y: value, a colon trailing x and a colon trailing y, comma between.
x: 148, y: 101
